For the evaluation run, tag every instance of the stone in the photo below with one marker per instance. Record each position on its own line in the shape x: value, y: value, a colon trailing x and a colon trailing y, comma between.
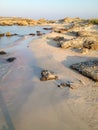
x: 70, y: 84
x: 90, y: 44
x: 32, y: 34
x: 2, y: 52
x: 47, y: 28
x: 8, y: 34
x: 88, y: 69
x: 47, y: 75
x: 39, y: 33
x: 2, y: 34
x: 73, y: 43
x: 11, y: 59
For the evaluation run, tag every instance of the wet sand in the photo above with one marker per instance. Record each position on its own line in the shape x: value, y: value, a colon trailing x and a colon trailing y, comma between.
x: 32, y: 104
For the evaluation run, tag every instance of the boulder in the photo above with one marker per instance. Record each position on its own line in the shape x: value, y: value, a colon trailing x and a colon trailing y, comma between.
x: 89, y: 69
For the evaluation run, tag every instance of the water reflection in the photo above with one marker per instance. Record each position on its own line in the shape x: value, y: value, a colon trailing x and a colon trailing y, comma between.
x: 6, y: 114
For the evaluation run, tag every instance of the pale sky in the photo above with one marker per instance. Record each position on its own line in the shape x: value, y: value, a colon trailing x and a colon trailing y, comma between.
x: 49, y: 9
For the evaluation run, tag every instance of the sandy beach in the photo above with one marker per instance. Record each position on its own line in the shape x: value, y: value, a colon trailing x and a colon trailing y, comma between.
x: 41, y: 105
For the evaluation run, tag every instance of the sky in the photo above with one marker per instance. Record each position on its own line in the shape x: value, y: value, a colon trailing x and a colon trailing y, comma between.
x: 49, y: 9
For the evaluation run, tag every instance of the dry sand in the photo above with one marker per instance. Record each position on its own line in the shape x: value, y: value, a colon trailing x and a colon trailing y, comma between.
x: 63, y: 108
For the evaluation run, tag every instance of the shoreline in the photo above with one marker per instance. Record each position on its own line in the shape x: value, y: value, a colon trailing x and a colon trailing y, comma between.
x: 42, y: 105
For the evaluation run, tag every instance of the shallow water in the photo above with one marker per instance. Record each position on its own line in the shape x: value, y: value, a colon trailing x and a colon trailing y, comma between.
x: 20, y: 30
x: 16, y: 77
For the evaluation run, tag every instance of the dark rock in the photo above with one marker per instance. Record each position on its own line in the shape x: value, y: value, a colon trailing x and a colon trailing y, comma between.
x: 90, y: 44
x: 47, y: 75
x: 89, y: 69
x: 58, y: 38
x: 32, y: 34
x: 39, y: 33
x: 2, y: 34
x: 2, y: 52
x: 60, y: 30
x: 11, y: 59
x: 47, y: 28
x: 75, y: 33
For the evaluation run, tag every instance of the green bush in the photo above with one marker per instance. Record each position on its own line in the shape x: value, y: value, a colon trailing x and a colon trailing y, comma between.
x: 93, y: 21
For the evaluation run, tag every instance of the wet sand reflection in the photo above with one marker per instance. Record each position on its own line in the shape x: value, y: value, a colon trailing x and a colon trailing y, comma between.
x: 6, y: 114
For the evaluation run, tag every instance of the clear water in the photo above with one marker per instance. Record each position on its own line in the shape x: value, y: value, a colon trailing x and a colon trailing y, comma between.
x: 20, y: 30
x: 16, y: 77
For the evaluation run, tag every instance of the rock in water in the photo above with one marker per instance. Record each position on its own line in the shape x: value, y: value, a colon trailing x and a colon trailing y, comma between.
x: 11, y: 59
x: 47, y: 75
x: 2, y: 52
x: 89, y: 69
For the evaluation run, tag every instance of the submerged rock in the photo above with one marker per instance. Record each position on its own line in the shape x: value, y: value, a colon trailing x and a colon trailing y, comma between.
x: 8, y: 34
x: 47, y: 75
x: 89, y: 69
x: 90, y: 43
x: 11, y: 59
x: 39, y: 33
x: 32, y: 34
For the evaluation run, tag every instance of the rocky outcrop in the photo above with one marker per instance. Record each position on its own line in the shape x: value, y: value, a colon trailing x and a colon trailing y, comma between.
x: 89, y: 69
x: 73, y: 43
x: 90, y: 43
x: 47, y: 75
x: 84, y: 33
x: 70, y: 20
x: 83, y: 42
